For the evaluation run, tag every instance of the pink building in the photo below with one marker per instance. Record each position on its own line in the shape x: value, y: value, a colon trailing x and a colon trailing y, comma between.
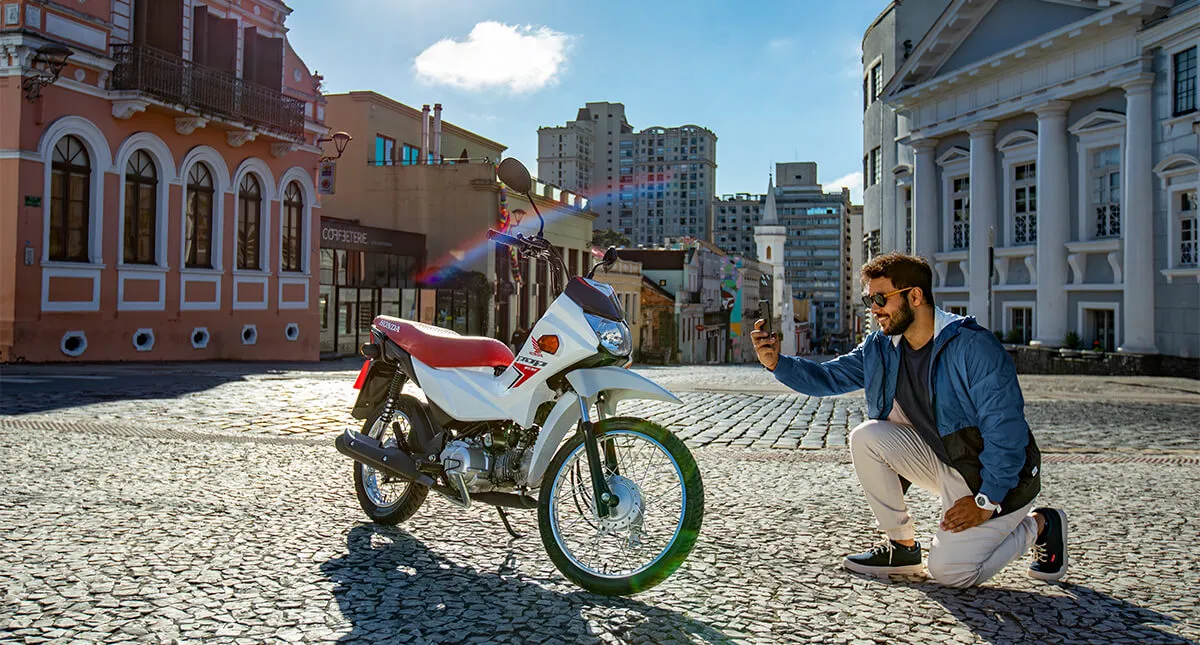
x: 157, y: 199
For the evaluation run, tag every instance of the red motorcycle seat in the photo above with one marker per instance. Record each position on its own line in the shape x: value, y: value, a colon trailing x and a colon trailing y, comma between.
x: 438, y: 347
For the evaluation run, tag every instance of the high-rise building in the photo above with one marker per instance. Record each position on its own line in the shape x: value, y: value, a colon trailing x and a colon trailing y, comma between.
x: 650, y: 185
x: 817, y: 256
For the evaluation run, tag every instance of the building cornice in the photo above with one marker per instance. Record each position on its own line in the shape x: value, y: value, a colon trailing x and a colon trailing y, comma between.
x: 1026, y: 102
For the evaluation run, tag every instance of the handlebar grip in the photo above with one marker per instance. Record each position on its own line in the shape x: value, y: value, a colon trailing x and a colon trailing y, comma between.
x: 503, y: 238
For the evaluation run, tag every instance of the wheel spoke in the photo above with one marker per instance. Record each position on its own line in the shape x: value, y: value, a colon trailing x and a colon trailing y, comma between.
x: 382, y: 489
x: 635, y: 538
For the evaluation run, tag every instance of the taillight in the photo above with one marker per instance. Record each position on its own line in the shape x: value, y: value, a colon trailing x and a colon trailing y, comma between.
x: 362, y: 375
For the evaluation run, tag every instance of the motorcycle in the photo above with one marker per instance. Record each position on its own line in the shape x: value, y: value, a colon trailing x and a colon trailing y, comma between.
x: 619, y: 499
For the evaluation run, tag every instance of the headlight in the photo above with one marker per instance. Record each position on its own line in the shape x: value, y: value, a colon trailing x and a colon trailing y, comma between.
x: 614, y: 336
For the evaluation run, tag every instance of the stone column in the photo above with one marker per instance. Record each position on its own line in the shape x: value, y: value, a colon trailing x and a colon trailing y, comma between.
x: 1137, y: 223
x: 1053, y: 224
x: 983, y: 218
x: 925, y: 206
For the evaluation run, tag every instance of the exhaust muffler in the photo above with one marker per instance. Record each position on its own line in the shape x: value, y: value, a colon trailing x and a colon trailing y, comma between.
x: 372, y: 452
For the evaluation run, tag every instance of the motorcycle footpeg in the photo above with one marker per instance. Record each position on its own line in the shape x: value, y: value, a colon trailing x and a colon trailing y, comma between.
x: 371, y: 452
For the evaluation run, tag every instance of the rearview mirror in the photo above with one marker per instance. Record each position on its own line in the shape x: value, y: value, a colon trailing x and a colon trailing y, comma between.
x: 514, y: 175
x: 610, y: 257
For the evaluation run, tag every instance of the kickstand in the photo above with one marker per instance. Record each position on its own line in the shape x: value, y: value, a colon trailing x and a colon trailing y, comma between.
x: 504, y: 518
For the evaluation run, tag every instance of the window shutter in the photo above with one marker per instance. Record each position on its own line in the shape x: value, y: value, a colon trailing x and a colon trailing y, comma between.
x: 270, y: 62
x: 250, y: 55
x: 200, y: 35
x: 222, y: 44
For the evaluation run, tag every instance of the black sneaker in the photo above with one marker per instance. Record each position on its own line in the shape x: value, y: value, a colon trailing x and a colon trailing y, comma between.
x: 1050, y: 549
x: 886, y: 558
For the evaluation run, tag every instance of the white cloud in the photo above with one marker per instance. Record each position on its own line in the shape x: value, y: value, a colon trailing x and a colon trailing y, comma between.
x: 853, y: 181
x: 495, y: 55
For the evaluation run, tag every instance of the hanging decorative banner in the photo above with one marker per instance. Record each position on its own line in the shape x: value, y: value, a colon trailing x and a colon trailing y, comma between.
x: 731, y: 295
x: 506, y: 225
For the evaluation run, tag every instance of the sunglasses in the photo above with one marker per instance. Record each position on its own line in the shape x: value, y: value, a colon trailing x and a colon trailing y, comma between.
x: 880, y: 299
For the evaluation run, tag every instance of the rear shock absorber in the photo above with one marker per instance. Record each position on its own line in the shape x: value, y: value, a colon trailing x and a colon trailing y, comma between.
x: 389, y: 403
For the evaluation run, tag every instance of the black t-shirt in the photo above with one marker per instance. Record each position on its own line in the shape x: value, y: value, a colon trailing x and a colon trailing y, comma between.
x: 914, y: 397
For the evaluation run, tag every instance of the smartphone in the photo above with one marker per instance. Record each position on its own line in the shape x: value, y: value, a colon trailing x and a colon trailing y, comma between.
x: 764, y: 311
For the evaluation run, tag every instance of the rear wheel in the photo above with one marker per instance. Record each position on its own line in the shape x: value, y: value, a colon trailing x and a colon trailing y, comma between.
x: 652, y: 528
x: 384, y: 498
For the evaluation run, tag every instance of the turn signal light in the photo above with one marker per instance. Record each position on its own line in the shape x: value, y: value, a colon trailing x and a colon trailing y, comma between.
x: 369, y: 350
x: 548, y: 344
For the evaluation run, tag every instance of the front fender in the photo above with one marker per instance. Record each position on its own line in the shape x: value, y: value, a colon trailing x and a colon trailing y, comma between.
x: 616, y: 383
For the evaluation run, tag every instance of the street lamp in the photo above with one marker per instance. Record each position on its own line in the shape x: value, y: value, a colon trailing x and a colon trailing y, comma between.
x: 48, y: 63
x: 339, y: 139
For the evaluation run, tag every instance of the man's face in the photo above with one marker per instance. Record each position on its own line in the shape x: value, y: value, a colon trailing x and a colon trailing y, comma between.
x: 896, y: 315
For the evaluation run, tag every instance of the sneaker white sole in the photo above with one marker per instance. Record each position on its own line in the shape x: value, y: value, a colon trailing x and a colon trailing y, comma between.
x: 1062, y: 571
x: 883, y: 572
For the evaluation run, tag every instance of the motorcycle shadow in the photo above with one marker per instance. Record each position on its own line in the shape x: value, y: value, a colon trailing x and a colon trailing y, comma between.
x: 392, y: 588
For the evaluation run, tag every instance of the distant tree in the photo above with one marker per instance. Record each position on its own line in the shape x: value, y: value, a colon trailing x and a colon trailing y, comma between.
x: 608, y: 237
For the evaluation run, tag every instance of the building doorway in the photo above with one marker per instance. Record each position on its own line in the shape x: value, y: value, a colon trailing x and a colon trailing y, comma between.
x: 1101, y: 326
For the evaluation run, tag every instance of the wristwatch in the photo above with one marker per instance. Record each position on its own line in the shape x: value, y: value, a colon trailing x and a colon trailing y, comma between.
x: 986, y: 504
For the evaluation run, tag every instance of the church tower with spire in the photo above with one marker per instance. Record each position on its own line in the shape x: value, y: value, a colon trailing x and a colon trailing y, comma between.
x: 770, y: 238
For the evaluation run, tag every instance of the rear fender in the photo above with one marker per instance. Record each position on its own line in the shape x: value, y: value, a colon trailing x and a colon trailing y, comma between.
x: 373, y: 389
x: 615, y: 383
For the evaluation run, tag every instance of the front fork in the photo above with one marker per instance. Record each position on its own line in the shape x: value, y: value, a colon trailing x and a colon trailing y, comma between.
x: 604, y: 498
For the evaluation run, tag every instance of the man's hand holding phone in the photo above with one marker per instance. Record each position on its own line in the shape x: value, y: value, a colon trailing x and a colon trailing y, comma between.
x: 766, y: 344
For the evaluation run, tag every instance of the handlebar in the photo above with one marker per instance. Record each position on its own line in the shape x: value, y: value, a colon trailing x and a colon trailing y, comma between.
x: 503, y: 238
x: 537, y: 247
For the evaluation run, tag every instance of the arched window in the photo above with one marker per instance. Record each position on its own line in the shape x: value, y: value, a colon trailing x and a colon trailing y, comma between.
x: 70, y: 199
x: 768, y: 253
x: 249, y: 216
x: 199, y: 224
x: 141, y: 211
x: 293, y: 228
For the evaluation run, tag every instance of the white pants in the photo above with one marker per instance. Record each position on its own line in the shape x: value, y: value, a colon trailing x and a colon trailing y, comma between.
x: 884, y: 451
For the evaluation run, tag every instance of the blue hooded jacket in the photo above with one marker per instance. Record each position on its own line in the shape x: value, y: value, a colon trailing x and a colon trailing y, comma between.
x: 976, y: 398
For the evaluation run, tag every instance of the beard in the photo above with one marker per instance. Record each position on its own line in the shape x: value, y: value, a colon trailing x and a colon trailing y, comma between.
x: 899, y: 322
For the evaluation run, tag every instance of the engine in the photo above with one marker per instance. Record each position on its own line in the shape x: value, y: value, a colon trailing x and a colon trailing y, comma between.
x: 468, y: 459
x: 493, y: 458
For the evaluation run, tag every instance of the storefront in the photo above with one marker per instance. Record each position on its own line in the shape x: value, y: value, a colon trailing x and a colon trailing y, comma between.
x: 366, y: 272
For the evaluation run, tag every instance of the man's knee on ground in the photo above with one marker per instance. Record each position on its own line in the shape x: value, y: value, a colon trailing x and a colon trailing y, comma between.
x: 868, y: 434
x: 951, y: 574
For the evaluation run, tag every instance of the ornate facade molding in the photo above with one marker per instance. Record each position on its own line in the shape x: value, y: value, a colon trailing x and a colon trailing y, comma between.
x: 238, y: 138
x: 186, y: 125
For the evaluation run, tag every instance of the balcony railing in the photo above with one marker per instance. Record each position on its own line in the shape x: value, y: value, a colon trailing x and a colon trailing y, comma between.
x: 215, y: 93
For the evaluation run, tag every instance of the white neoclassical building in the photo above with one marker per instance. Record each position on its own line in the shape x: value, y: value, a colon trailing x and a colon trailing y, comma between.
x: 1046, y: 162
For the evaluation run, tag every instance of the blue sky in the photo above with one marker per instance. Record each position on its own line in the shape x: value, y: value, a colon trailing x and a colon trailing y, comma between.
x: 775, y: 80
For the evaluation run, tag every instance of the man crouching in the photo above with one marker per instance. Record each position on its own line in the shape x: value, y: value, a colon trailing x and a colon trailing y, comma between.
x: 946, y: 413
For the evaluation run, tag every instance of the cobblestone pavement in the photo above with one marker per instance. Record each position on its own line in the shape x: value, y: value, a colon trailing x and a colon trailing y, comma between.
x: 202, y: 539
x: 740, y: 406
x: 203, y: 503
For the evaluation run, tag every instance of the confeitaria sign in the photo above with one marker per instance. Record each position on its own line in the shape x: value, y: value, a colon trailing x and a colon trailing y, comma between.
x: 336, y: 234
x: 346, y: 236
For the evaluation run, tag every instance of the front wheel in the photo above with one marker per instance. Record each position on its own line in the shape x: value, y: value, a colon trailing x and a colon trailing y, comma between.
x: 654, y: 524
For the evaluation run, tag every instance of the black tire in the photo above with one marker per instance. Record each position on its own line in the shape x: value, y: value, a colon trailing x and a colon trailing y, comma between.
x: 406, y: 412
x: 680, y: 544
